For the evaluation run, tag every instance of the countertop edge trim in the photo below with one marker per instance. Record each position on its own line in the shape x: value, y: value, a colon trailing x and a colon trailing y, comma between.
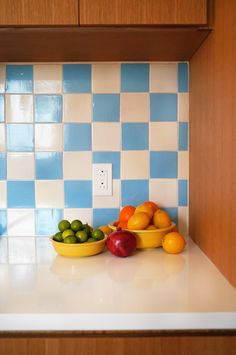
x: 118, y: 322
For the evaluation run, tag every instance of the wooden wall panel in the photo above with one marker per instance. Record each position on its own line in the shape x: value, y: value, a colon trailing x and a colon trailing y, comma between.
x: 213, y: 142
x: 120, y: 345
x: 139, y: 12
x: 38, y: 12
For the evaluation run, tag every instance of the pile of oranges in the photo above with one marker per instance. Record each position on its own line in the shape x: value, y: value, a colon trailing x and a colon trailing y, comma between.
x: 149, y: 216
x: 145, y: 216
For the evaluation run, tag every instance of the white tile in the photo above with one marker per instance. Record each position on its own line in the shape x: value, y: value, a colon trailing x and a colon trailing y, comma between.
x: 19, y: 108
x: 77, y: 165
x: 3, y: 194
x: 163, y: 77
x: 134, y: 107
x: 183, y: 165
x: 2, y: 137
x: 106, y: 136
x: 164, y: 136
x: 20, y: 166
x: 109, y: 201
x: 106, y: 78
x: 48, y: 137
x: 3, y: 252
x: 49, y: 194
x: 21, y: 250
x: 164, y: 192
x: 83, y: 214
x: 134, y: 165
x: 183, y: 220
x: 2, y: 78
x: 183, y: 107
x: 77, y: 107
x: 47, y: 78
x: 21, y: 222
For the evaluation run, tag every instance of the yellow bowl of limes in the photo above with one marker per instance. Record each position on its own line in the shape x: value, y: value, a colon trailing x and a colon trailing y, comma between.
x: 148, y: 238
x: 78, y: 249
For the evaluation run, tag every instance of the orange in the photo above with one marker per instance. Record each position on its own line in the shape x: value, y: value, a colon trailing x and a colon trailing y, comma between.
x: 139, y: 220
x: 144, y: 208
x: 106, y: 230
x: 152, y: 204
x: 173, y: 243
x: 122, y: 224
x: 126, y: 213
x: 151, y: 226
x: 161, y: 219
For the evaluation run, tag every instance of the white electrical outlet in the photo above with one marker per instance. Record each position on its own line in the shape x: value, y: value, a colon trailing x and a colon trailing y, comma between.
x: 102, y: 179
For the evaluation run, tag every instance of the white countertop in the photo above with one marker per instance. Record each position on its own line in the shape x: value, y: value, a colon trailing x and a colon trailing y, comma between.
x: 151, y: 290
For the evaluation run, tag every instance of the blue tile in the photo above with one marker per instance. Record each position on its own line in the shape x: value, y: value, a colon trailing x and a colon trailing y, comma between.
x: 183, y: 192
x: 104, y: 216
x: 3, y: 166
x: 173, y: 213
x: 163, y: 107
x: 134, y: 136
x: 134, y: 192
x: 78, y: 194
x: 48, y: 108
x: 1, y: 108
x: 134, y: 77
x: 163, y: 164
x: 20, y: 137
x: 183, y: 77
x: 20, y: 194
x: 19, y: 78
x: 183, y: 136
x: 77, y: 136
x: 3, y: 222
x: 106, y: 107
x: 77, y: 77
x: 109, y: 157
x: 48, y: 165
x: 47, y: 220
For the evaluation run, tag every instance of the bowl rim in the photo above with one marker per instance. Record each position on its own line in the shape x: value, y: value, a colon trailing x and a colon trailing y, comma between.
x: 173, y: 224
x: 77, y: 244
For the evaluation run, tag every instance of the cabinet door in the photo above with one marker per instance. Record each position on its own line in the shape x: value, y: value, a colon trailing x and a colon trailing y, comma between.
x: 38, y: 12
x: 143, y: 12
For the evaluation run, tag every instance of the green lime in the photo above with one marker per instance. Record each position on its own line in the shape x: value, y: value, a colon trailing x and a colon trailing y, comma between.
x: 58, y: 237
x: 98, y: 234
x: 82, y: 236
x: 68, y: 233
x: 70, y: 239
x: 63, y: 225
x: 87, y: 228
x: 91, y: 240
x: 76, y: 225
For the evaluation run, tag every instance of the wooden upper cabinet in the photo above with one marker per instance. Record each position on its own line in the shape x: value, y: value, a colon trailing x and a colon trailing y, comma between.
x: 39, y: 12
x: 143, y: 12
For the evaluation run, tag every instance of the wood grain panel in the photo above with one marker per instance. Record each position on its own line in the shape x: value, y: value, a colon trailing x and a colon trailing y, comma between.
x: 213, y: 142
x: 126, y: 345
x: 38, y: 12
x: 139, y: 12
x: 98, y: 44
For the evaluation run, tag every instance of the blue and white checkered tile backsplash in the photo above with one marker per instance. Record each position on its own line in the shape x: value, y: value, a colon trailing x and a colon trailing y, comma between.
x: 56, y: 120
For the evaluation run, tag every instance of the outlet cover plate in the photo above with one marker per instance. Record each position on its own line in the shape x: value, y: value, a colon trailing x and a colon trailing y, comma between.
x: 102, y: 179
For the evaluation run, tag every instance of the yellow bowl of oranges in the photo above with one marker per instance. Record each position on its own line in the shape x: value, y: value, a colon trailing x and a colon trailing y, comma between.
x: 149, y: 223
x: 149, y: 238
